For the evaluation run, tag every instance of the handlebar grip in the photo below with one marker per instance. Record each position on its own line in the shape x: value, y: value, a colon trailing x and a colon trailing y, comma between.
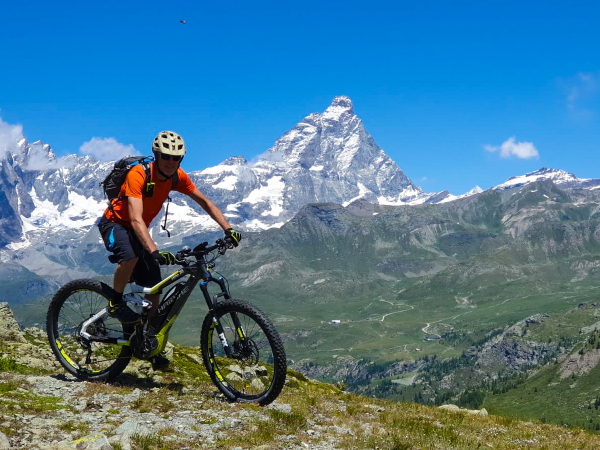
x: 203, y: 249
x: 181, y: 254
x: 229, y: 241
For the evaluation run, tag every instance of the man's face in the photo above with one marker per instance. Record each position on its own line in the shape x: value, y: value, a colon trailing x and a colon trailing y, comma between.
x: 168, y: 166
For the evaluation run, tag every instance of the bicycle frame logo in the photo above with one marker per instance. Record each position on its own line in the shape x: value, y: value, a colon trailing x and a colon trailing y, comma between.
x: 173, y: 298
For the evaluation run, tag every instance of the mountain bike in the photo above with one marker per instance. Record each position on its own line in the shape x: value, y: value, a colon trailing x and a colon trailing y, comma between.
x: 240, y: 347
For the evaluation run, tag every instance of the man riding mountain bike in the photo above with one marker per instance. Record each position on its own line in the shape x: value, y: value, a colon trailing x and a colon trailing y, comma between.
x: 124, y: 226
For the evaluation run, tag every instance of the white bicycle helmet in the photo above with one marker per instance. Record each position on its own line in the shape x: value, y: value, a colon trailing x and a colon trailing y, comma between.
x: 169, y: 143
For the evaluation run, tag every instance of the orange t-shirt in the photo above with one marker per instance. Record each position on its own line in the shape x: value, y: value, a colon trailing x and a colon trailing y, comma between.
x: 134, y: 186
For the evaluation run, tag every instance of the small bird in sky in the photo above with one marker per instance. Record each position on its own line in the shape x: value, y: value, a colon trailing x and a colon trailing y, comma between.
x: 182, y: 21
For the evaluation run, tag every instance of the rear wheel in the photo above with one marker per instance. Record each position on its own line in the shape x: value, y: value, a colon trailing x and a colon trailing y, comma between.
x: 256, y: 369
x: 87, y: 359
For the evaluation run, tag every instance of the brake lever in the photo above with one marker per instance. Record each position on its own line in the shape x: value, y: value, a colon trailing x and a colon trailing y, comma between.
x: 222, y: 246
x: 182, y: 262
x: 228, y: 243
x: 181, y: 255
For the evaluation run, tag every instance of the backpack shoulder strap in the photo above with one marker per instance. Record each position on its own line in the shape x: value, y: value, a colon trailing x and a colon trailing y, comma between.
x: 147, y: 170
x: 148, y: 185
x: 175, y: 180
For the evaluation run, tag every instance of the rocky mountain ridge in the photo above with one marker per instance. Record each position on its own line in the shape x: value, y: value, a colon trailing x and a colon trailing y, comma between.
x: 326, y: 157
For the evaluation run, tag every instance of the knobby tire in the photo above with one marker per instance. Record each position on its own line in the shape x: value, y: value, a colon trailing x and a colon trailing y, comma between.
x: 256, y: 372
x: 74, y: 303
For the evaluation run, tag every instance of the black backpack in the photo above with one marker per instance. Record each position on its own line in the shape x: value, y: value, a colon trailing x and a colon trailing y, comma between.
x: 115, y: 179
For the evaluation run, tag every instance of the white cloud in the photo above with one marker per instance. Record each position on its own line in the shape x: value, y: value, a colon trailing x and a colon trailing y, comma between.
x: 522, y: 150
x: 107, y: 149
x: 38, y: 156
x: 41, y: 157
x: 10, y: 135
x: 582, y: 93
x: 581, y: 88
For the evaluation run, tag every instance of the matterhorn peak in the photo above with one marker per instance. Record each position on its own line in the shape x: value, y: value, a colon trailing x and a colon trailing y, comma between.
x: 343, y: 102
x: 339, y: 106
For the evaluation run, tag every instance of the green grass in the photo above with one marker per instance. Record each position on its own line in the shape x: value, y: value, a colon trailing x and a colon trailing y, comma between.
x: 318, y: 413
x: 13, y: 400
x: 70, y: 426
x: 148, y: 441
x: 546, y: 397
x: 8, y: 364
x: 292, y: 421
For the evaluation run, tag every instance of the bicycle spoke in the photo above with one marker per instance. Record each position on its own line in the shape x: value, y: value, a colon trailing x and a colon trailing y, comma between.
x: 252, y: 372
x: 76, y: 303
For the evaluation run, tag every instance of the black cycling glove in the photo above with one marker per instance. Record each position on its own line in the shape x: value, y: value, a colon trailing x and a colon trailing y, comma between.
x: 163, y: 258
x: 235, y: 236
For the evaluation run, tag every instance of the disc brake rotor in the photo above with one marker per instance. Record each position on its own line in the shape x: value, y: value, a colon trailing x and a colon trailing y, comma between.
x: 246, y: 351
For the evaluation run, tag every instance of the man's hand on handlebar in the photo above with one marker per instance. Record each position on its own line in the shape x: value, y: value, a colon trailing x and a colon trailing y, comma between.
x: 163, y: 258
x: 233, y: 236
x: 203, y: 249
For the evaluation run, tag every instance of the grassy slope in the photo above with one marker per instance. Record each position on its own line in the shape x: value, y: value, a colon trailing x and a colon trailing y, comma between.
x: 546, y: 395
x: 318, y: 413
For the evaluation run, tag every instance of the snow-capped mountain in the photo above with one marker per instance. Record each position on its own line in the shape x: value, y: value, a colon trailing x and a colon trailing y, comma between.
x: 48, y: 205
x: 561, y: 178
x: 450, y: 198
x: 327, y: 157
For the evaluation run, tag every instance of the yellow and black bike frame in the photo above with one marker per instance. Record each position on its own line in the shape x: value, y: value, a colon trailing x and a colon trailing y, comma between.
x: 172, y: 303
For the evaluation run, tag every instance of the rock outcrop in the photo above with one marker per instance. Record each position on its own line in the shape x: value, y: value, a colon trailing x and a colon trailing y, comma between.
x: 9, y: 328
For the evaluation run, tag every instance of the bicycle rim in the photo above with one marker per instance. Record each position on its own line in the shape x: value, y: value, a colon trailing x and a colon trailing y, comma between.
x: 73, y: 304
x: 257, y: 368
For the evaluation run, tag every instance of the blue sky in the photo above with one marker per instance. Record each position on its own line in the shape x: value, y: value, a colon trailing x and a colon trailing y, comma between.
x: 437, y: 84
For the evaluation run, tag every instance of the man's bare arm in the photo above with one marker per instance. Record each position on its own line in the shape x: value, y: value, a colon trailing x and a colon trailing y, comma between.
x: 210, y: 208
x: 136, y: 209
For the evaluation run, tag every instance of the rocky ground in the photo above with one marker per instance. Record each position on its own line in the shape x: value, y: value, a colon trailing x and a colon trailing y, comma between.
x: 61, y: 413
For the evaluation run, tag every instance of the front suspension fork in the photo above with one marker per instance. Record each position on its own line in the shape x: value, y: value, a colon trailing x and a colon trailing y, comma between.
x: 212, y: 306
x: 221, y: 332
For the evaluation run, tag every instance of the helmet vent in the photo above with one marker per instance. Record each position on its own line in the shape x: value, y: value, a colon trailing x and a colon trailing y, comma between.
x: 169, y: 142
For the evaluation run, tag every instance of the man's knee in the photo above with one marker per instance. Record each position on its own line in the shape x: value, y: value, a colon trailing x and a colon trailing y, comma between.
x: 128, y: 264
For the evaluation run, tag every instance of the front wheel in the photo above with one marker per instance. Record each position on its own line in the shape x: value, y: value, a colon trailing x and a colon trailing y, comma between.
x: 101, y: 357
x: 254, y: 368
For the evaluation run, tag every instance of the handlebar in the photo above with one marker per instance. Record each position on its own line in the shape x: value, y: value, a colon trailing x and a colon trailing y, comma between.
x: 203, y: 249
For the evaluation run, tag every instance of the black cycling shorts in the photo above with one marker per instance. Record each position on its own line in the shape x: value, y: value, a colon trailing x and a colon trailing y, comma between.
x: 125, y: 245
